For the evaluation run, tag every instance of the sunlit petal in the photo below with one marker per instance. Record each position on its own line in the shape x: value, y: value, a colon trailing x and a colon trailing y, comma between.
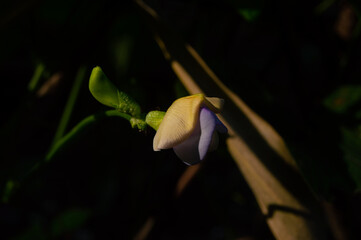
x: 189, y: 128
x: 178, y: 122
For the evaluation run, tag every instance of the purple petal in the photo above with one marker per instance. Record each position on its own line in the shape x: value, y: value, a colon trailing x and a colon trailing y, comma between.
x: 195, y: 148
x: 208, y: 122
x: 187, y: 150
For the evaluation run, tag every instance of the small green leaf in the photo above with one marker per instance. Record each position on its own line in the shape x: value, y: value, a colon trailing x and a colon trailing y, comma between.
x: 69, y: 221
x: 250, y: 15
x: 9, y: 187
x: 154, y: 118
x: 107, y: 93
x: 343, y: 98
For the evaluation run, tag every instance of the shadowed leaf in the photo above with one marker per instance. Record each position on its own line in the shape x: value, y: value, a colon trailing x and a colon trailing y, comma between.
x: 343, y: 98
x: 351, y: 146
x: 69, y: 221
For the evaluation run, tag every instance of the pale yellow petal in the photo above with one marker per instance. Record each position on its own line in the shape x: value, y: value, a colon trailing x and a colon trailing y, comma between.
x: 178, y: 122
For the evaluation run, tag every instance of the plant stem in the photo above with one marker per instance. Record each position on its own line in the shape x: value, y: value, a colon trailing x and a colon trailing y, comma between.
x: 39, y: 70
x: 69, y: 105
x: 79, y: 128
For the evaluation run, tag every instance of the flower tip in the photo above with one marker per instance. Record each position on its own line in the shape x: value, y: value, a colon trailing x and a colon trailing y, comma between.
x: 156, y: 143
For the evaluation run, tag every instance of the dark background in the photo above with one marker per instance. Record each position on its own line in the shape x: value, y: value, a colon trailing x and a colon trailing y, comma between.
x: 296, y: 63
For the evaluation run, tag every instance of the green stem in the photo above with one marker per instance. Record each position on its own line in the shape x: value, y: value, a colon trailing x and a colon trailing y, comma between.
x: 70, y: 104
x: 12, y: 184
x: 79, y: 128
x: 36, y: 77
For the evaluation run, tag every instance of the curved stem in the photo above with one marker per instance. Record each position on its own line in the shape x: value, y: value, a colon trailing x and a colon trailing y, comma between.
x: 13, y: 184
x: 79, y: 128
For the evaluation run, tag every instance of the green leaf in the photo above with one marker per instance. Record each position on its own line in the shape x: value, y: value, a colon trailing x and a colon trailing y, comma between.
x: 343, y: 98
x: 9, y: 187
x: 107, y: 93
x: 250, y: 15
x: 69, y: 221
x: 351, y: 146
x: 250, y: 10
x: 154, y: 118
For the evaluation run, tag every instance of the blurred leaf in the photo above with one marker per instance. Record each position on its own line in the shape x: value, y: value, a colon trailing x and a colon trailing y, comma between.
x: 179, y: 89
x: 35, y: 231
x: 56, y: 12
x: 249, y: 10
x: 39, y: 70
x: 69, y: 221
x: 358, y: 114
x: 356, y: 5
x: 323, y: 6
x: 260, y: 153
x: 249, y: 14
x: 9, y: 187
x: 108, y: 94
x: 343, y: 98
x: 351, y: 146
x: 122, y: 49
